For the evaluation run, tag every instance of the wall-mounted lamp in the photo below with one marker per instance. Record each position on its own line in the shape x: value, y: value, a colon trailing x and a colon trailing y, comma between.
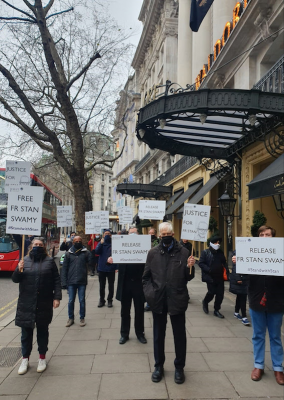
x: 203, y: 118
x: 141, y: 133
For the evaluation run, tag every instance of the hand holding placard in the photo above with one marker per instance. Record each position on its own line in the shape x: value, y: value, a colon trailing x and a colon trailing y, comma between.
x: 21, y: 266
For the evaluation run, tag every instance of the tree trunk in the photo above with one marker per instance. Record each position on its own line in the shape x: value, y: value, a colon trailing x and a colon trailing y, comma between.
x: 83, y: 203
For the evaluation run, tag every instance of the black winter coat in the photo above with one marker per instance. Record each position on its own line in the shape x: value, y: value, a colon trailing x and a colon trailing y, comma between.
x: 75, y: 267
x: 39, y: 286
x: 206, y: 261
x: 165, y: 279
x: 65, y: 246
x: 273, y: 286
x: 235, y: 287
x: 136, y: 278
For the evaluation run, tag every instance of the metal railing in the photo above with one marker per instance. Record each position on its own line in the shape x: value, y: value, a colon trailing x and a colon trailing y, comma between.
x: 178, y: 168
x: 273, y: 80
x: 142, y: 161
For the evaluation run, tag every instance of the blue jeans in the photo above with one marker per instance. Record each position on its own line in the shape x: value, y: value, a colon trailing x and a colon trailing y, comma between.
x: 72, y: 290
x: 273, y: 322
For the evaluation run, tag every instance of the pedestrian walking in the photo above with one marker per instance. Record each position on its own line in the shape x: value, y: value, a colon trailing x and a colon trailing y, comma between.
x: 129, y: 288
x: 168, y: 269
x: 93, y: 242
x: 106, y: 269
x: 239, y: 287
x: 65, y: 246
x: 266, y: 304
x: 39, y: 292
x: 213, y: 263
x: 74, y: 277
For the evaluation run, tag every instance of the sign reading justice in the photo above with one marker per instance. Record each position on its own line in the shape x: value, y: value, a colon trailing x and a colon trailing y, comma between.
x: 130, y: 249
x: 260, y: 256
x: 64, y: 216
x: 17, y: 175
x: 195, y: 222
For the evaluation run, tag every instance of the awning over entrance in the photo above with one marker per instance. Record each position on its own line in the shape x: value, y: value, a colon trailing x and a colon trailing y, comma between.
x: 189, y: 192
x: 208, y: 123
x: 173, y: 198
x: 144, y: 190
x: 269, y: 182
x: 200, y: 194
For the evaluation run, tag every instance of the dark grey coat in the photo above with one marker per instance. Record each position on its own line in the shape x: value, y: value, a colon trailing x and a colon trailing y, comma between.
x: 75, y: 267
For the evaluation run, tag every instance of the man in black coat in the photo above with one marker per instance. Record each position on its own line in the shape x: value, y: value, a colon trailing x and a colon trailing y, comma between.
x: 65, y: 246
x: 167, y: 271
x: 129, y: 287
x: 74, y: 275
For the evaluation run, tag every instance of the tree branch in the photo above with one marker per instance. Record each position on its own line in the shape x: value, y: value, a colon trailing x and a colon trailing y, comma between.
x: 60, y: 12
x: 32, y: 21
x: 48, y: 7
x: 83, y: 70
x: 18, y: 9
x: 29, y: 6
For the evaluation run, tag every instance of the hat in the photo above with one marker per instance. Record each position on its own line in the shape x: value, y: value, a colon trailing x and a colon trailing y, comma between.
x: 215, y: 239
x: 123, y: 232
x: 107, y: 230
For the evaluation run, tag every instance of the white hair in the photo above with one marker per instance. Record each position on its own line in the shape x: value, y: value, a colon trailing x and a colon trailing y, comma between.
x: 166, y: 226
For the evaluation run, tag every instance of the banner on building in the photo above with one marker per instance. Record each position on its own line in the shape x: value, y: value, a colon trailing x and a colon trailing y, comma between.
x: 24, y: 211
x: 64, y: 216
x: 260, y: 256
x: 198, y: 11
x: 130, y: 249
x: 125, y: 215
x: 152, y: 209
x: 17, y: 176
x: 195, y: 222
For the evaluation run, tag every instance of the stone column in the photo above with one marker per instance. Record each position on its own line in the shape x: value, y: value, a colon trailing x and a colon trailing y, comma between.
x: 184, y: 74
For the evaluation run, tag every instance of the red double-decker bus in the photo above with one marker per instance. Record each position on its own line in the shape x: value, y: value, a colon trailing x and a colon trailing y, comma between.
x: 9, y: 250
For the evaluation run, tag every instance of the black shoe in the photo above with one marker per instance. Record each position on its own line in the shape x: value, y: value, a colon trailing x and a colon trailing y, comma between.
x: 205, y: 307
x: 179, y: 376
x: 142, y: 339
x: 123, y: 339
x: 92, y: 274
x: 218, y: 314
x: 109, y: 303
x: 147, y: 308
x: 157, y: 374
x: 101, y: 303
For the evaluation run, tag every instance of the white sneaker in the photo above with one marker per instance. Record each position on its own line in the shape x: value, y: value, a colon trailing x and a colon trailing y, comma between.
x: 41, y: 365
x: 24, y: 366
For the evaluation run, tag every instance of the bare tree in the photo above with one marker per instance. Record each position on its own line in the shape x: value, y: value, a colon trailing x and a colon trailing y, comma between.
x: 61, y: 65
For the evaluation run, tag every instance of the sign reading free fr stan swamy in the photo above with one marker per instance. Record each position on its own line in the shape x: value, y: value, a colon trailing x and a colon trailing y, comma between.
x: 24, y: 211
x: 64, y: 216
x: 152, y: 209
x: 130, y: 249
x: 17, y: 176
x: 260, y: 256
x: 195, y: 222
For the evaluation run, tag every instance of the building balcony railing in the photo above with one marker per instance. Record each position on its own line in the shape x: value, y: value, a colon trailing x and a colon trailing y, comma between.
x: 273, y: 80
x: 178, y: 168
x: 142, y: 161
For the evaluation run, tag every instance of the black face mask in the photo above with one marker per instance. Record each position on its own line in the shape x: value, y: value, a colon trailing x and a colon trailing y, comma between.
x: 107, y: 239
x: 37, y: 251
x: 153, y: 237
x: 167, y: 240
x: 78, y: 245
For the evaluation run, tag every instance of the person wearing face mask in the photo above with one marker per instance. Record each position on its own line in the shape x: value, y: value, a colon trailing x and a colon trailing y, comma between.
x: 65, y: 246
x: 169, y: 267
x: 212, y: 263
x: 93, y: 242
x: 39, y: 292
x: 106, y: 268
x: 129, y: 287
x: 74, y: 276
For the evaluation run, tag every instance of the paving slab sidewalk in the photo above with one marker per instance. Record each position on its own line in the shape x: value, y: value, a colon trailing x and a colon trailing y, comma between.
x: 89, y: 364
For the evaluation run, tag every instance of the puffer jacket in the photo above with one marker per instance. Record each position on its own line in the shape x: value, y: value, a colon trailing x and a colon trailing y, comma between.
x: 39, y: 286
x: 206, y: 261
x: 165, y: 279
x: 75, y: 267
x: 235, y: 287
x: 104, y: 252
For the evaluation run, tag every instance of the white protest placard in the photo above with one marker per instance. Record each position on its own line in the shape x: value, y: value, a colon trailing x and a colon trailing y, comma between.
x: 260, y: 256
x: 104, y: 219
x: 125, y: 215
x: 92, y: 222
x: 195, y: 222
x: 64, y: 216
x: 152, y: 209
x: 24, y: 211
x: 130, y: 249
x: 17, y: 176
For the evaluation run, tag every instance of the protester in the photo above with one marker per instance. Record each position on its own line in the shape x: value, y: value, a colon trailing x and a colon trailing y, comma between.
x: 106, y: 268
x: 65, y: 246
x: 212, y: 263
x: 129, y: 287
x: 239, y: 286
x: 266, y: 303
x: 165, y: 278
x: 74, y: 277
x: 39, y: 291
x: 93, y: 242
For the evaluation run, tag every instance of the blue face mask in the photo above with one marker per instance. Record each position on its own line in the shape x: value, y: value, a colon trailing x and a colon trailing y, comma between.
x: 107, y: 239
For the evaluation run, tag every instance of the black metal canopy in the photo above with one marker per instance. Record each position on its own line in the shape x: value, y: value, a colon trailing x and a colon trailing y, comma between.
x: 208, y: 123
x: 144, y: 190
x: 269, y: 182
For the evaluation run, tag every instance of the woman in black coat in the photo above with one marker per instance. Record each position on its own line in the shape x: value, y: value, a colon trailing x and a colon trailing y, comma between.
x: 239, y: 286
x: 39, y: 291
